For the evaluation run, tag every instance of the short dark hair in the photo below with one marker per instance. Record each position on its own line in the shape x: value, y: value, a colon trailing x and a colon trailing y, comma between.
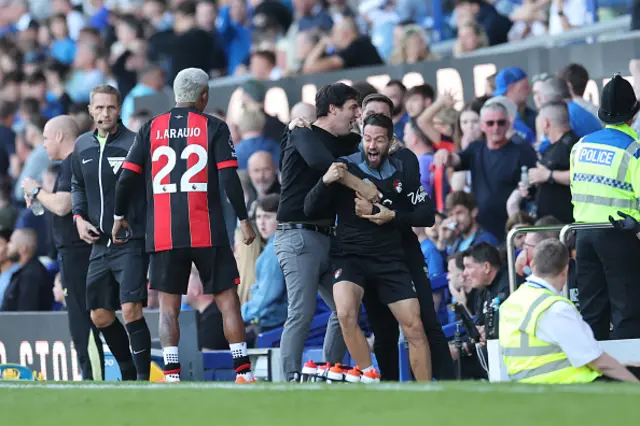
x: 460, y: 198
x: 30, y: 105
x: 187, y: 8
x: 397, y: 83
x: 268, y: 203
x: 13, y: 77
x: 424, y: 90
x: 485, y: 252
x: 267, y: 55
x: 377, y: 97
x: 5, y: 234
x: 459, y: 258
x: 577, y: 76
x: 36, y: 78
x: 57, y: 67
x: 550, y: 257
x: 7, y: 109
x: 379, y: 120
x: 548, y: 220
x: 336, y: 94
x: 364, y: 89
x: 38, y: 121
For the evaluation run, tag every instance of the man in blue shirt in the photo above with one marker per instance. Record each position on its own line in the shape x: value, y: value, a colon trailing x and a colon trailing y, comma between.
x: 7, y: 266
x: 267, y: 307
x: 253, y: 139
x: 513, y: 83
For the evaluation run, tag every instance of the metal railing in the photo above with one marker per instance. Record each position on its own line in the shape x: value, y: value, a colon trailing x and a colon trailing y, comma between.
x: 511, y: 257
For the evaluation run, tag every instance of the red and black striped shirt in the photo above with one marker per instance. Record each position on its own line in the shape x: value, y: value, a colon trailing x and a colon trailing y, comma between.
x: 180, y: 154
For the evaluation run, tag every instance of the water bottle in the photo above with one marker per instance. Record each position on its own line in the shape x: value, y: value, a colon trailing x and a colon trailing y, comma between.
x: 36, y: 207
x: 524, y: 176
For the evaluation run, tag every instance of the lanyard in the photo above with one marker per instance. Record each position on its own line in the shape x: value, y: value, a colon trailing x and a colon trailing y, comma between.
x: 535, y: 284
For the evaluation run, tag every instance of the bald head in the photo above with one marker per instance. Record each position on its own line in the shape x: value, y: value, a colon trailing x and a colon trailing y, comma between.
x: 304, y: 110
x: 60, y: 134
x: 23, y: 244
x: 262, y: 171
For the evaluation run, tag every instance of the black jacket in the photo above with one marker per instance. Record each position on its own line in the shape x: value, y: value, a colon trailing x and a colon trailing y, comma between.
x: 95, y: 171
x: 30, y: 289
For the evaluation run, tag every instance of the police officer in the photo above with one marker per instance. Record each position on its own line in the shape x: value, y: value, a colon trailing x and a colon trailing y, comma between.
x: 605, y: 172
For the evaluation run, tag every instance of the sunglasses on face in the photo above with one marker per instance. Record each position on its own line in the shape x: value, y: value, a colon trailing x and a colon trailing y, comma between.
x: 500, y: 123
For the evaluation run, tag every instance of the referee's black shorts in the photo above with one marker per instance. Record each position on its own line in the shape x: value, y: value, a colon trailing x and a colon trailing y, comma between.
x: 117, y: 275
x: 391, y: 278
x: 170, y: 269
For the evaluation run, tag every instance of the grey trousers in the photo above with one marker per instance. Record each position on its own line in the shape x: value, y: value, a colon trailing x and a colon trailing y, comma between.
x: 304, y: 258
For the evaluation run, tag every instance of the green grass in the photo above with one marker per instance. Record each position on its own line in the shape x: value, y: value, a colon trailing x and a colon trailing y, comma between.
x: 196, y: 404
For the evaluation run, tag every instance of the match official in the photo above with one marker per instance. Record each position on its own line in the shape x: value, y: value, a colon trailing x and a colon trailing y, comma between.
x: 117, y: 275
x: 302, y: 241
x: 60, y: 135
x: 543, y: 338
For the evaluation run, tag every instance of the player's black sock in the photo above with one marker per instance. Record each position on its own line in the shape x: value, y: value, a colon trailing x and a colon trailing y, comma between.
x: 241, y: 361
x: 140, y: 339
x: 118, y: 342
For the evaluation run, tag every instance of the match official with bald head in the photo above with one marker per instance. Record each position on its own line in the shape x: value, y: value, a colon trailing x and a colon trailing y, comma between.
x: 60, y: 134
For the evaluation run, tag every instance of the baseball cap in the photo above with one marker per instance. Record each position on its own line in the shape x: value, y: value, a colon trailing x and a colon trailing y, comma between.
x: 506, y: 77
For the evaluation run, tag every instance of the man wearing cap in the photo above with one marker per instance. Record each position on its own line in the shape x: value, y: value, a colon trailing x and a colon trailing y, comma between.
x: 605, y: 173
x: 512, y: 82
x: 254, y: 92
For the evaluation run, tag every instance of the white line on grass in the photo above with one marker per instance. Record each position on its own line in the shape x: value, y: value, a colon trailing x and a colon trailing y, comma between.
x: 283, y: 387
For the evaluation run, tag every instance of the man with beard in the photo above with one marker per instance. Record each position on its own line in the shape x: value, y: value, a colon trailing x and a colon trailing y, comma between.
x: 361, y: 242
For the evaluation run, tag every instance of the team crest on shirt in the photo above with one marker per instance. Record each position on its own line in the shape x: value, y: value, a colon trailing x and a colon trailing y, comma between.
x: 337, y: 274
x: 397, y: 185
x: 115, y: 163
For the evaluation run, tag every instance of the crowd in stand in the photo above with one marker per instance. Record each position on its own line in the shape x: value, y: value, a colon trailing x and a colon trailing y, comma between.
x: 494, y: 164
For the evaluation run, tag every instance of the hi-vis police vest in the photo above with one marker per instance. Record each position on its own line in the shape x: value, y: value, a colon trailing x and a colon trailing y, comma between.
x: 604, y: 167
x: 527, y: 358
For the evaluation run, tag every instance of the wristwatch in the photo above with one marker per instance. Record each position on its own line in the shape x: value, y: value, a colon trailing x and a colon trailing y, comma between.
x: 550, y: 180
x: 35, y: 193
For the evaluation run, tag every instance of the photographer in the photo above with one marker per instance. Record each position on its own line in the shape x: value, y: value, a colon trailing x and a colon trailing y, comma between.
x: 486, y: 273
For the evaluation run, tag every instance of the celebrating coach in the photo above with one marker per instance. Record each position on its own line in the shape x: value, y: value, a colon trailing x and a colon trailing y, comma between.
x: 302, y: 242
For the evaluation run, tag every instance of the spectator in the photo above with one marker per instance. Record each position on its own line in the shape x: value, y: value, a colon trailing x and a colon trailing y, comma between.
x: 235, y: 34
x: 495, y: 167
x: 263, y: 177
x: 415, y: 140
x: 529, y: 20
x: 80, y: 113
x: 565, y: 15
x: 7, y: 135
x: 38, y: 160
x: 351, y: 50
x: 267, y: 306
x: 531, y: 240
x: 254, y: 93
x: 536, y: 84
x: 85, y: 74
x: 396, y: 91
x: 62, y: 47
x: 31, y: 286
x: 11, y: 85
x: 413, y: 47
x: 418, y: 98
x: 471, y: 37
x: 461, y: 230
x: 252, y: 137
x: 263, y: 66
x: 56, y: 74
x: 75, y: 19
x: 206, y: 14
x: 551, y: 175
x: 302, y: 109
x: 428, y: 238
x: 582, y: 121
x: 495, y: 25
x: 577, y: 78
x: 246, y: 257
x: 150, y: 81
x: 518, y: 220
x: 461, y: 290
x: 36, y: 87
x: 364, y: 89
x: 469, y: 131
x: 7, y: 265
x: 512, y: 83
x: 517, y: 127
x: 8, y: 212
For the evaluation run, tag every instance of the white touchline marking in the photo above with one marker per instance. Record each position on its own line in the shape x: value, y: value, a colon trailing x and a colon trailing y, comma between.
x: 395, y: 387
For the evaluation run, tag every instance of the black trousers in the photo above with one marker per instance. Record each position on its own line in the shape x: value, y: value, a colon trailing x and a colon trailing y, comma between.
x: 74, y: 264
x: 385, y: 327
x: 607, y: 281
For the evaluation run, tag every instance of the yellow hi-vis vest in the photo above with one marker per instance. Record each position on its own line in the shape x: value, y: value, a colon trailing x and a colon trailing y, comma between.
x: 527, y: 358
x: 605, y: 173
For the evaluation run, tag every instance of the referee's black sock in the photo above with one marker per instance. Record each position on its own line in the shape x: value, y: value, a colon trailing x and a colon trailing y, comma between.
x: 140, y: 339
x: 118, y: 342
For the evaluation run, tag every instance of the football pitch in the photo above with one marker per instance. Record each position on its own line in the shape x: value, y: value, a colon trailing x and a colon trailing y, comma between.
x: 121, y: 404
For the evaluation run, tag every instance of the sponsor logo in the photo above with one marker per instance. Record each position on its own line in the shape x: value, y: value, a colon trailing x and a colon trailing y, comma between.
x: 337, y: 274
x: 85, y: 161
x: 397, y: 185
x: 418, y: 197
x: 115, y: 163
x: 179, y: 116
x: 601, y: 157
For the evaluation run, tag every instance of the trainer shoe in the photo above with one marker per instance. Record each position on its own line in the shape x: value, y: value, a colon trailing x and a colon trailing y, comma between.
x: 353, y: 375
x: 245, y: 378
x: 337, y: 372
x: 308, y: 371
x: 371, y: 376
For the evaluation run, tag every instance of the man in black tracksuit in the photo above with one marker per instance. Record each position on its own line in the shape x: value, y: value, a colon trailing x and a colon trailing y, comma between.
x: 60, y: 134
x: 117, y: 275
